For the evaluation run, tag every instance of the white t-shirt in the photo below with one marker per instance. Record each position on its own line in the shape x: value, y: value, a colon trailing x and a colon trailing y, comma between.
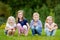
x: 9, y: 26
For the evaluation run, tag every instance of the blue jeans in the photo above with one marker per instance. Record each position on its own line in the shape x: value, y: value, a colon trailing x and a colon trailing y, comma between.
x: 50, y: 33
x: 36, y: 30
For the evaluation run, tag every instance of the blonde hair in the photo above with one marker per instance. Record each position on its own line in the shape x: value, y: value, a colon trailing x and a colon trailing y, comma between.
x: 20, y: 11
x: 36, y: 13
x: 11, y: 17
x: 49, y: 18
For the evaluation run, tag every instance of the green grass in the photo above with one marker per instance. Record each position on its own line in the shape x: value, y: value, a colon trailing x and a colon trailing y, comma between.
x: 29, y: 37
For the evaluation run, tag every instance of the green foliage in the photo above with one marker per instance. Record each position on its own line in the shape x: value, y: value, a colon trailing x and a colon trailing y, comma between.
x: 43, y: 11
x: 57, y: 14
x: 3, y: 26
x: 52, y: 14
x: 28, y: 13
x: 5, y: 12
x: 2, y: 20
x: 52, y: 3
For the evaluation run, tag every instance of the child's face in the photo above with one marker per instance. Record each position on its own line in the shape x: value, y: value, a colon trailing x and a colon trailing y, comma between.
x: 20, y: 15
x: 50, y: 20
x: 36, y: 17
x: 11, y: 20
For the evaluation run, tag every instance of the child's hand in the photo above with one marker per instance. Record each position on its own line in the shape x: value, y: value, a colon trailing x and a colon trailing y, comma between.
x: 35, y: 24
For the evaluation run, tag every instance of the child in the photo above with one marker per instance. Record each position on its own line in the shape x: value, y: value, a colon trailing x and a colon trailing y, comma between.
x: 50, y: 26
x: 22, y: 24
x: 36, y: 25
x: 10, y: 26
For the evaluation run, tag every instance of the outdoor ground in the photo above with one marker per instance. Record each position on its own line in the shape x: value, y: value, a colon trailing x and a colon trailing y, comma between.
x: 29, y: 37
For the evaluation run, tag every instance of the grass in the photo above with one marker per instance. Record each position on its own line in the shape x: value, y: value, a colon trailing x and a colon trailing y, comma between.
x: 29, y: 37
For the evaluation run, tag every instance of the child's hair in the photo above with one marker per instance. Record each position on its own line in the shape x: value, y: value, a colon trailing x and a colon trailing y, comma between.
x: 48, y: 19
x: 36, y: 13
x: 20, y: 11
x: 11, y: 17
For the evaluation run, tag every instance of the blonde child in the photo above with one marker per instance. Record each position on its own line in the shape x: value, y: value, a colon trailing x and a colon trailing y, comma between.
x: 50, y: 26
x: 36, y: 25
x: 22, y: 24
x: 10, y: 26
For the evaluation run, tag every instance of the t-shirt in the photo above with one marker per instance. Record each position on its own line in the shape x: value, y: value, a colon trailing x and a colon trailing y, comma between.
x: 52, y: 25
x: 9, y: 26
x: 23, y: 22
x: 39, y: 23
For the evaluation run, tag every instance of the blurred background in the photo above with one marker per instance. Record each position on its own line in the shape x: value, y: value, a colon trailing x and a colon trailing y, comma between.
x: 43, y: 7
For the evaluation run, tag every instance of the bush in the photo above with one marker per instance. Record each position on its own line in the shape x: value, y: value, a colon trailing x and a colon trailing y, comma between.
x: 5, y: 11
x: 57, y: 14
x: 28, y: 13
x: 3, y: 26
x: 2, y: 20
x: 52, y: 13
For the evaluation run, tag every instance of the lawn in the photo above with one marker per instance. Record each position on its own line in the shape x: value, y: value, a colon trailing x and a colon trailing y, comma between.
x: 29, y: 37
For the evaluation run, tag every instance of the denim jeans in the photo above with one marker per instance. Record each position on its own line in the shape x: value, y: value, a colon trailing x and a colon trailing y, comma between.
x: 50, y: 33
x: 36, y: 30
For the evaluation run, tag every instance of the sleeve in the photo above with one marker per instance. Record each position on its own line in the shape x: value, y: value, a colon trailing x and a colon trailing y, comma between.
x: 40, y: 23
x: 7, y: 25
x: 31, y: 23
x: 26, y: 21
x: 55, y: 24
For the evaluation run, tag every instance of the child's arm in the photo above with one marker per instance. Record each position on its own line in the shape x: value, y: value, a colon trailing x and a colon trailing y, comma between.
x: 47, y: 25
x: 28, y: 26
x: 31, y: 23
x: 55, y: 26
x: 6, y: 28
x: 35, y: 24
x: 40, y: 23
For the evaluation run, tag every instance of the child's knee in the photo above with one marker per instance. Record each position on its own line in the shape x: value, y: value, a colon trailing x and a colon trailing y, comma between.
x: 13, y: 30
x: 18, y: 24
x: 25, y: 27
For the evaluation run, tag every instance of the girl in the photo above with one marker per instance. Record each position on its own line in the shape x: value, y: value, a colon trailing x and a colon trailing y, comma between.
x: 10, y: 26
x: 36, y: 25
x: 22, y: 24
x: 50, y: 26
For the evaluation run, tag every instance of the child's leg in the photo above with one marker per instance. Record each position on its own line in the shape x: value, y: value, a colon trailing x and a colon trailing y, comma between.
x: 48, y: 32
x: 53, y: 32
x: 13, y: 31
x: 33, y: 30
x: 38, y: 30
x: 25, y: 30
x: 19, y: 28
x: 9, y: 32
